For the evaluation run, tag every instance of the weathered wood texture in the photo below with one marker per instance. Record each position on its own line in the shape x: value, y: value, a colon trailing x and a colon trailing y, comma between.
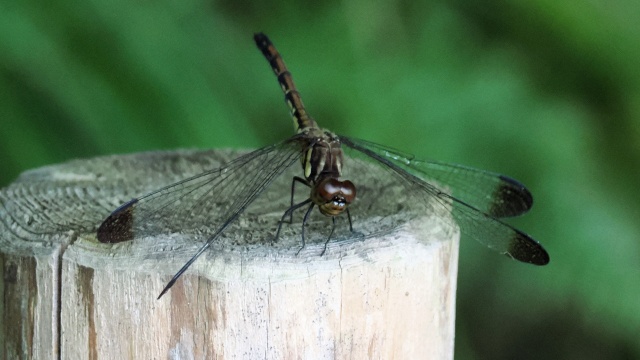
x: 66, y: 295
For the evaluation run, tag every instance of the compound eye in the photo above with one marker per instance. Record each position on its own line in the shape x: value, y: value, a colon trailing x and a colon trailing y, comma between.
x: 348, y: 191
x: 333, y: 196
x: 335, y: 190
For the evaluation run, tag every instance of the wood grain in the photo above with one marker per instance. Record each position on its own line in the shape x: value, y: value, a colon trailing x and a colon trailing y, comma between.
x: 65, y: 294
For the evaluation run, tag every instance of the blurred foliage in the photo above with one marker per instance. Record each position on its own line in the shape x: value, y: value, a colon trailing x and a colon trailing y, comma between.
x: 545, y: 91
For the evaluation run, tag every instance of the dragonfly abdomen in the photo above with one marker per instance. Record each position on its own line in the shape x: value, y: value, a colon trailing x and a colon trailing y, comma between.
x: 301, y: 120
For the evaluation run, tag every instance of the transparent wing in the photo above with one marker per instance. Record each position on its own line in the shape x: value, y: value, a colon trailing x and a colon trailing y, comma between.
x: 203, y: 204
x: 206, y: 203
x: 475, y: 198
x: 491, y: 193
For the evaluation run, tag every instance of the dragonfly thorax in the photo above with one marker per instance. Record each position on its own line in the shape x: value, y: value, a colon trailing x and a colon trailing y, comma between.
x: 322, y: 164
x: 323, y: 155
x: 333, y: 196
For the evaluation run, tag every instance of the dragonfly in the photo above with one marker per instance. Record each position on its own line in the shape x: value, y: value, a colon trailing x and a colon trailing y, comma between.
x: 477, y: 200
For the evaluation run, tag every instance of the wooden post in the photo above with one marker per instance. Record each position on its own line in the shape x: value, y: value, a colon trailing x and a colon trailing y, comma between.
x: 66, y: 295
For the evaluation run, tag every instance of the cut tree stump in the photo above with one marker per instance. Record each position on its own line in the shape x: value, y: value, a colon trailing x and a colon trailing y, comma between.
x: 66, y: 295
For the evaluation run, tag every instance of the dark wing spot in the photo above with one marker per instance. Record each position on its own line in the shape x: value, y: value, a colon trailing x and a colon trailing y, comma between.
x: 511, y: 198
x: 118, y: 226
x: 525, y: 249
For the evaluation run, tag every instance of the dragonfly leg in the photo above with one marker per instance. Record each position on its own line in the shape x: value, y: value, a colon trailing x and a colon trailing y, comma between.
x: 333, y: 227
x: 350, y: 223
x: 304, y: 221
x: 293, y: 190
x: 289, y: 212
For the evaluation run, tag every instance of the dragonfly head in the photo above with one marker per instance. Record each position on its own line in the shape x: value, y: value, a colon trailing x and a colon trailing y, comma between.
x: 333, y: 196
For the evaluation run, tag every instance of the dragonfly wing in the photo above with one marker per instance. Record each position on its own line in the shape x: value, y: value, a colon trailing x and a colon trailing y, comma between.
x: 475, y: 198
x: 491, y: 193
x: 203, y: 203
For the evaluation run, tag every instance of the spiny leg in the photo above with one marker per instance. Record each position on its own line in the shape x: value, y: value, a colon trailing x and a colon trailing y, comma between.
x: 289, y: 211
x: 304, y: 222
x: 349, y: 217
x: 333, y: 227
x: 293, y: 189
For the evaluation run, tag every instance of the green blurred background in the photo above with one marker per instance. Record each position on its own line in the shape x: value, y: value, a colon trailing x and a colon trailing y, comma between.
x: 545, y: 91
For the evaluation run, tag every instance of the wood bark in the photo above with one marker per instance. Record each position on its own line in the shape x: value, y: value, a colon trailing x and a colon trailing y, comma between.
x: 65, y: 295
